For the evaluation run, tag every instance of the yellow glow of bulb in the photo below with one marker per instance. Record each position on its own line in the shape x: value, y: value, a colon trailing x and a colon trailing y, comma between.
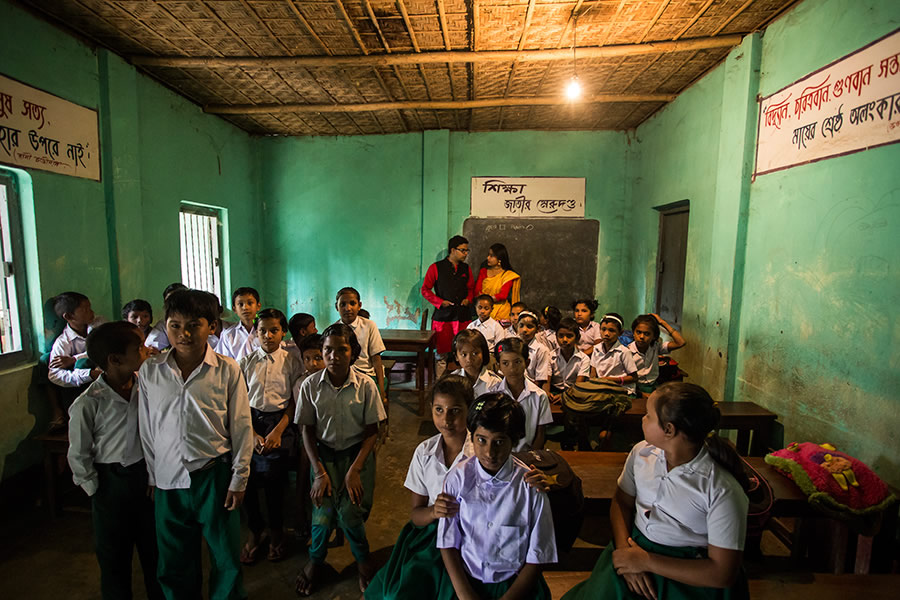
x: 573, y: 90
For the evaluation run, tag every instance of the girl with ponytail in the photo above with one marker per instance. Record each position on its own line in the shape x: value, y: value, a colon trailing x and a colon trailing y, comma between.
x: 679, y: 515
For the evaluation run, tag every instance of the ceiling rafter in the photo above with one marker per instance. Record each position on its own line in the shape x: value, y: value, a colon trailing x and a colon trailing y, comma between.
x: 309, y: 28
x: 225, y: 109
x: 694, y: 19
x: 453, y: 56
x: 662, y: 8
x: 442, y: 20
x: 733, y: 16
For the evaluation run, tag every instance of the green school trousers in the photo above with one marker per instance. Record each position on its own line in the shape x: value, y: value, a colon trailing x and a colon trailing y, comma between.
x: 123, y: 520
x: 183, y: 519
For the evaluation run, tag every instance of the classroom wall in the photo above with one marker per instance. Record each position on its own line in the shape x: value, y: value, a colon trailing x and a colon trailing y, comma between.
x: 791, y: 287
x: 375, y: 211
x: 116, y: 239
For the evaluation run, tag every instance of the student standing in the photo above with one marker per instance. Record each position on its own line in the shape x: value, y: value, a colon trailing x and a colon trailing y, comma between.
x: 449, y: 286
x: 239, y: 340
x: 197, y: 439
x: 339, y: 410
x: 492, y: 330
x: 107, y: 461
x: 368, y: 359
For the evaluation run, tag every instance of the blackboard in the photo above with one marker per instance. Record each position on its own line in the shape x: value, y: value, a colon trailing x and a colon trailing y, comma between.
x: 556, y: 258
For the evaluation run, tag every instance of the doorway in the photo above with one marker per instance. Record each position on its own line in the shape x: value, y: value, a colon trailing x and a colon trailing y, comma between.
x: 670, y: 261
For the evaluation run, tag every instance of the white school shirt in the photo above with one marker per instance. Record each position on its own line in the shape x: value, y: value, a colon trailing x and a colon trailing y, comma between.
x: 508, y: 332
x: 339, y: 414
x: 538, y: 361
x: 566, y: 372
x: 648, y: 362
x: 492, y: 331
x: 486, y: 382
x: 236, y: 342
x: 502, y: 524
x: 185, y: 424
x: 536, y: 406
x: 588, y: 336
x: 103, y: 428
x: 270, y: 378
x: 615, y: 363
x: 158, y: 338
x: 698, y: 503
x: 548, y: 338
x: 427, y: 469
x: 370, y: 341
x: 69, y: 343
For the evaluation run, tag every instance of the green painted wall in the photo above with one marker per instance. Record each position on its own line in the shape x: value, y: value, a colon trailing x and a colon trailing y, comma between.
x: 791, y: 287
x: 373, y: 212
x: 819, y: 334
x: 116, y: 239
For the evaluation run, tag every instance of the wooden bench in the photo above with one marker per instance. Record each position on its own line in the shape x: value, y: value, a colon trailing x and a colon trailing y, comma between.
x: 816, y: 586
x: 746, y: 417
x: 599, y: 473
x: 55, y: 445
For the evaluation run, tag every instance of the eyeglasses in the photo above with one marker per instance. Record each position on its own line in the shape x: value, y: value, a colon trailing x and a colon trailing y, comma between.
x: 462, y: 250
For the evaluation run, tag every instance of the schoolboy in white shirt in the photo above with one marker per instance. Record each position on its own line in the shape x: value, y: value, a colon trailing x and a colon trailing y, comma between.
x: 107, y: 461
x: 197, y: 439
x: 348, y: 304
x: 239, y: 340
x: 611, y: 360
x: 570, y: 365
x: 157, y: 338
x: 492, y: 330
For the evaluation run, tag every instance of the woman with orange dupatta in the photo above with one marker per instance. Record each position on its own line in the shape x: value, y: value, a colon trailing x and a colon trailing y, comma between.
x: 497, y: 279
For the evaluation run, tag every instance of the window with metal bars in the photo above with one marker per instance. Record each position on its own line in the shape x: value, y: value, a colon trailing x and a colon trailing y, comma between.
x: 13, y: 303
x: 201, y: 264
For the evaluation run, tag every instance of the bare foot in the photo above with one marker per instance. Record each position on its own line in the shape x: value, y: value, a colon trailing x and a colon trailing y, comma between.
x: 307, y: 578
x: 366, y: 573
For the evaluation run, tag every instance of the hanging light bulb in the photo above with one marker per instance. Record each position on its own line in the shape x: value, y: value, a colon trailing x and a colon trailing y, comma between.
x: 573, y: 90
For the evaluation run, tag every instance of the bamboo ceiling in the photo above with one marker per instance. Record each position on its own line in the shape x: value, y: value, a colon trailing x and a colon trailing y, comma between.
x: 350, y: 67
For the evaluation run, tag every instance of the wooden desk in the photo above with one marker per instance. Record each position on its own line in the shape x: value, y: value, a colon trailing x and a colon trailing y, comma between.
x: 746, y: 417
x: 599, y: 473
x: 55, y: 445
x: 420, y: 342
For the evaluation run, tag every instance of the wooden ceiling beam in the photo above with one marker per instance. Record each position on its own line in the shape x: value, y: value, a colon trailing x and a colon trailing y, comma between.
x: 694, y: 19
x: 442, y: 19
x: 308, y: 27
x: 453, y: 56
x: 374, y: 20
x: 528, y: 14
x: 662, y: 9
x: 733, y: 16
x: 250, y: 109
x: 350, y: 26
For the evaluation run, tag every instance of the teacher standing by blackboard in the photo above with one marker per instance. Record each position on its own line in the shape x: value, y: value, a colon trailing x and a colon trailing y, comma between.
x: 497, y: 279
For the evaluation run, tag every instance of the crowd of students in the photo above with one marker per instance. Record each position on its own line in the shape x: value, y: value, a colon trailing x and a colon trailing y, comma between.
x: 178, y: 425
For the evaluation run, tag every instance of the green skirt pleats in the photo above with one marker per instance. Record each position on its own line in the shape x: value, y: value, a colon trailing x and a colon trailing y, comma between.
x: 605, y: 584
x: 493, y: 591
x: 415, y: 569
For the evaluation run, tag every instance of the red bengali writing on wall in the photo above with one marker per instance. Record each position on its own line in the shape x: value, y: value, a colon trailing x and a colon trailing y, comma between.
x: 42, y: 131
x: 850, y: 105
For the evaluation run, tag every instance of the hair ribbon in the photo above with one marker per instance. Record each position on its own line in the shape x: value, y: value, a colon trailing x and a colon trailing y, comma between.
x: 613, y: 318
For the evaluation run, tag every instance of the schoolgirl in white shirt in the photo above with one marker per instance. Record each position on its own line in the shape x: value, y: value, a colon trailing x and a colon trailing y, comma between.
x: 569, y: 364
x: 239, y: 340
x: 502, y: 532
x: 550, y: 318
x: 583, y: 310
x: 679, y: 516
x: 512, y: 356
x: 492, y: 330
x: 611, y: 361
x: 538, y: 353
x: 271, y: 373
x: 471, y: 352
x: 647, y: 347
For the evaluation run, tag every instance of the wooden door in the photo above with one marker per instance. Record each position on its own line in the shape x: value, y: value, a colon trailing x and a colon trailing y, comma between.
x: 673, y: 232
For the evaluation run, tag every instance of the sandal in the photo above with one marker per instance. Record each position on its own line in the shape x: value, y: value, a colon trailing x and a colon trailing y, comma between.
x: 249, y: 553
x: 276, y: 552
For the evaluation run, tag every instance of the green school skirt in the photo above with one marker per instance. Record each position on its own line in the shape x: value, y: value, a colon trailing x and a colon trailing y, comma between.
x: 494, y: 591
x: 415, y: 569
x: 605, y: 584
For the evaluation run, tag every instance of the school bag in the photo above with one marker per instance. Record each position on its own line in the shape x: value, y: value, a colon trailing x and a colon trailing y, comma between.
x: 565, y: 494
x: 595, y: 397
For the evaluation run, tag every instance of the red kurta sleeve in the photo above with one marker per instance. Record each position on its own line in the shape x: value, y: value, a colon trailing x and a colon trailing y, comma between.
x: 503, y: 294
x: 471, y: 286
x: 428, y: 284
x: 481, y: 275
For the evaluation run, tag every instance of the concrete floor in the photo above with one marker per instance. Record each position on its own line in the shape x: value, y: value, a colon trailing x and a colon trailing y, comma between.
x: 42, y: 558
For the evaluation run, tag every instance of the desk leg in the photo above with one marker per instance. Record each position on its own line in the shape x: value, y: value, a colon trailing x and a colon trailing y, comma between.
x: 743, y: 441
x: 420, y: 380
x: 762, y: 435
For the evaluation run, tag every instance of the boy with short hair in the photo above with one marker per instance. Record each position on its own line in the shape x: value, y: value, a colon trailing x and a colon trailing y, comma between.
x: 239, y: 340
x: 198, y: 440
x: 107, y: 462
x: 300, y: 326
x: 68, y: 349
x: 139, y: 312
x: 157, y: 338
x: 490, y: 328
x: 514, y: 311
